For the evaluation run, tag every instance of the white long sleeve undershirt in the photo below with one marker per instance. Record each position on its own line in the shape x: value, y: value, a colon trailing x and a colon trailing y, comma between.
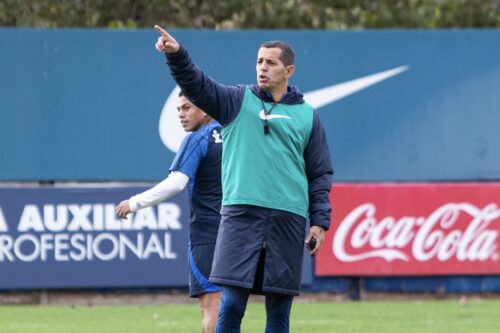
x: 170, y: 186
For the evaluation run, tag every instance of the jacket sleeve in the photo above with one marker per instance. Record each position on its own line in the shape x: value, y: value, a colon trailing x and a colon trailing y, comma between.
x: 221, y: 102
x: 319, y: 173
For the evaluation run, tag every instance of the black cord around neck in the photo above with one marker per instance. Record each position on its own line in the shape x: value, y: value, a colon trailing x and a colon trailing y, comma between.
x: 266, y: 113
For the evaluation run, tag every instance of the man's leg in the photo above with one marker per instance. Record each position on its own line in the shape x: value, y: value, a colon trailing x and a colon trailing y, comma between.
x: 278, y: 313
x: 200, y: 263
x: 209, y: 304
x: 232, y: 309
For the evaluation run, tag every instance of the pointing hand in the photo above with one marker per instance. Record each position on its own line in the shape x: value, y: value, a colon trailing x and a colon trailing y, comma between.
x: 166, y: 43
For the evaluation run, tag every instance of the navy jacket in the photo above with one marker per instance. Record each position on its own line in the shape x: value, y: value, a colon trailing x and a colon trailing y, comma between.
x: 223, y: 103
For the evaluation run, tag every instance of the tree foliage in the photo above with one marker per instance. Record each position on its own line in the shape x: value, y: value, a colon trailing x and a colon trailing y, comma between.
x: 248, y: 14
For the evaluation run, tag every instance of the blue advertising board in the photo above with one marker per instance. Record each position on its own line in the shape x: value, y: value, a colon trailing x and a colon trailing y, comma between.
x: 71, y: 237
x: 397, y: 105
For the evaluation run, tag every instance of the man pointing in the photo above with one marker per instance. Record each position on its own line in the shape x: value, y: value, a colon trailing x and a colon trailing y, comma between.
x: 276, y: 172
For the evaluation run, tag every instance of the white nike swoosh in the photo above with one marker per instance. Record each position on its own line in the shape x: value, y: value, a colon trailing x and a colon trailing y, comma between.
x: 321, y: 97
x: 172, y: 133
x: 264, y: 116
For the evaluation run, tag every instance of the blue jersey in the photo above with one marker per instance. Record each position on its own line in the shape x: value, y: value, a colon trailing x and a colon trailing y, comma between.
x: 199, y: 158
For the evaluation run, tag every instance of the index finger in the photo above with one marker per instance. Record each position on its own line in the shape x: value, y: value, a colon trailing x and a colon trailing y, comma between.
x: 162, y: 31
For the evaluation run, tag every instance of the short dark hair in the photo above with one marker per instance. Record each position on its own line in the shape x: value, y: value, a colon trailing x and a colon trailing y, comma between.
x: 287, y: 56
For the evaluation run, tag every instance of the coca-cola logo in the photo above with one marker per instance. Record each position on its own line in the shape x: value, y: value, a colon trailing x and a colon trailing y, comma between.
x: 362, y: 235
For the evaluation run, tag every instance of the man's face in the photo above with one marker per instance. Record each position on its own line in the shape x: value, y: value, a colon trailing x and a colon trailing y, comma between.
x: 190, y: 116
x: 271, y: 72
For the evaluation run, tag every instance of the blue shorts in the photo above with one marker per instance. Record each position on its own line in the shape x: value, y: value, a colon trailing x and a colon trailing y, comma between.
x: 200, y: 265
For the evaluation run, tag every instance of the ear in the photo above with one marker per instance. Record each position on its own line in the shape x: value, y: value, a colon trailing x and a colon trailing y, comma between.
x: 290, y: 69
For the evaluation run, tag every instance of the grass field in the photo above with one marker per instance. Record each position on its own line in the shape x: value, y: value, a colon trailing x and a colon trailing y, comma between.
x: 382, y: 316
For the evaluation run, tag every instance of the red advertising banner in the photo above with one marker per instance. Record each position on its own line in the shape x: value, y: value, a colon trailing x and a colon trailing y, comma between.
x: 412, y: 229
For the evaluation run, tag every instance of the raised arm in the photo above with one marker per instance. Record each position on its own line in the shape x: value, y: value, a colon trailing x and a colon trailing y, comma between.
x: 219, y: 101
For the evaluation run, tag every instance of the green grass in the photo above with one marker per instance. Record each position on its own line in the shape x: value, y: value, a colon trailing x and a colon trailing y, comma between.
x: 381, y: 316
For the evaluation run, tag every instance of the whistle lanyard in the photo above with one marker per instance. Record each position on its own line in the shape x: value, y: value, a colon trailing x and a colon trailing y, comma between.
x: 266, y: 125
